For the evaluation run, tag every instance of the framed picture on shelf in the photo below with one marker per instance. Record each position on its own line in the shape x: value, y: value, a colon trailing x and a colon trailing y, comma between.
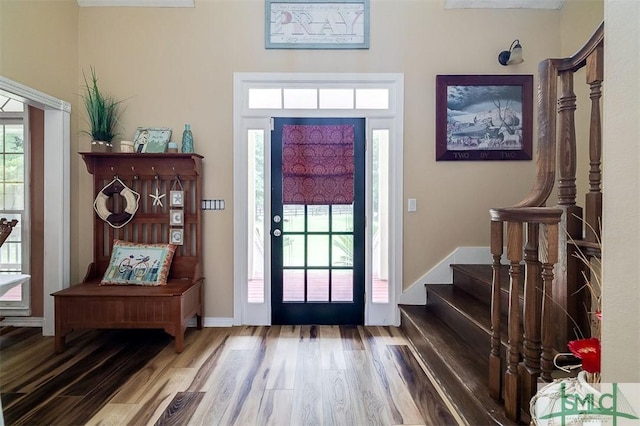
x: 176, y: 236
x: 176, y: 198
x: 176, y: 217
x: 484, y: 117
x: 152, y: 139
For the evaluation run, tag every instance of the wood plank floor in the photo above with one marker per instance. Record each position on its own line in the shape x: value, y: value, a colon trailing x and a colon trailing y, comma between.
x: 278, y: 375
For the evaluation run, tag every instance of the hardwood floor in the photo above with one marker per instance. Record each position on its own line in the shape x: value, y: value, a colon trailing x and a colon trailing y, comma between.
x: 278, y: 375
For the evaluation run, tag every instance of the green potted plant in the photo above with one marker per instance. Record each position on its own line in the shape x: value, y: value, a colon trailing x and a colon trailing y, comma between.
x: 102, y: 114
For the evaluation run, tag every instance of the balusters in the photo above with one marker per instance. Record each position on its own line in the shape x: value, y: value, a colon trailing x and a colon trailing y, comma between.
x: 530, y: 367
x: 495, y: 368
x: 511, y: 381
x: 548, y: 255
x: 567, y: 142
x: 567, y: 287
x: 593, y: 200
x: 527, y: 353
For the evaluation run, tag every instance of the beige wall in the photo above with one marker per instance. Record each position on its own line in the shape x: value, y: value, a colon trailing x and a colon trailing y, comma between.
x: 175, y: 66
x: 579, y: 20
x: 39, y: 48
x: 39, y: 45
x: 621, y: 193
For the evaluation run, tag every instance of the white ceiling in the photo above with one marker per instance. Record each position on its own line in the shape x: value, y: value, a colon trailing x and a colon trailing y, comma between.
x: 503, y: 4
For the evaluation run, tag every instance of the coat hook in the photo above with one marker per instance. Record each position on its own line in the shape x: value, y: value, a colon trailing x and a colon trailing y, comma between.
x: 133, y: 170
x: 115, y: 175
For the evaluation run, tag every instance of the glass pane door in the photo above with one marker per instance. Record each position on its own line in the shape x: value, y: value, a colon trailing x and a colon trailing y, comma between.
x: 317, y: 229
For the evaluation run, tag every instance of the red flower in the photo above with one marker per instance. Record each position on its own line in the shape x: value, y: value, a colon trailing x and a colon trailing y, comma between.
x: 588, y: 350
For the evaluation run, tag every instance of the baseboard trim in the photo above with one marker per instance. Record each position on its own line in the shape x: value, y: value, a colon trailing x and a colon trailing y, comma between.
x: 23, y: 321
x: 443, y: 274
x: 37, y: 322
x: 212, y: 322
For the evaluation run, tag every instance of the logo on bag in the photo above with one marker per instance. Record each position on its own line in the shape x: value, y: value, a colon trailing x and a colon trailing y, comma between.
x: 578, y: 406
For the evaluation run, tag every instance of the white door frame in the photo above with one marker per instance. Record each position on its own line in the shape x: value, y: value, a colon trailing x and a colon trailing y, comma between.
x: 246, y: 118
x: 57, y: 213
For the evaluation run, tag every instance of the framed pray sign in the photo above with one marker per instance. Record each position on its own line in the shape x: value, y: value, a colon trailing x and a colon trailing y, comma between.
x: 318, y: 24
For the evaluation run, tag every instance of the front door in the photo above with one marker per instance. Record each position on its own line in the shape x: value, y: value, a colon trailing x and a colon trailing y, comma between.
x: 318, y: 221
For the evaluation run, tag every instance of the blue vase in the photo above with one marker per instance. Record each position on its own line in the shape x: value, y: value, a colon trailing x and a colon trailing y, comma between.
x: 187, y: 139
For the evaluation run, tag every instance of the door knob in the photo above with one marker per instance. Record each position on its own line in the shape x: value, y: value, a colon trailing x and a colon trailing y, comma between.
x: 276, y: 219
x: 277, y: 232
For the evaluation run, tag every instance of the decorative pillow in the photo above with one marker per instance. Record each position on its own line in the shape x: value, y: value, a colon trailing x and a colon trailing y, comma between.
x: 138, y: 264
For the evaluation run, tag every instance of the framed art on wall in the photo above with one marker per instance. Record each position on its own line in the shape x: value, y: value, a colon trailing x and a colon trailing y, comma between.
x: 319, y: 24
x: 484, y: 117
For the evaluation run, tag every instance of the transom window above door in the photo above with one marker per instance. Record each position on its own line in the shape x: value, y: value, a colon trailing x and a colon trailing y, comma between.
x: 317, y: 98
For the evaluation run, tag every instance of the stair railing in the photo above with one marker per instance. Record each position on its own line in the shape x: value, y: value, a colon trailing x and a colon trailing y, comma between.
x: 556, y: 151
x: 529, y: 337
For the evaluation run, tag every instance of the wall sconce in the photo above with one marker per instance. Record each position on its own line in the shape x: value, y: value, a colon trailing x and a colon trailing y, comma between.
x: 513, y: 55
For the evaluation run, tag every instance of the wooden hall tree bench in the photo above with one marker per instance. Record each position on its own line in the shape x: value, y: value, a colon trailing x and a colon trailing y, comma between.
x: 90, y: 305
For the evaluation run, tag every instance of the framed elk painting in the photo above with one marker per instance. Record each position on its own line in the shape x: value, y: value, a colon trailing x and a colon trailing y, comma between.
x: 484, y: 117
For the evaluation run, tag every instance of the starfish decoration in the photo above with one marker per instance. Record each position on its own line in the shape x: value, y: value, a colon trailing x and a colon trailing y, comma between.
x: 157, y: 198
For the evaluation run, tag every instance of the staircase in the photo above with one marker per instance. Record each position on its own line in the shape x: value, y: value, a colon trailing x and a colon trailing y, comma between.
x: 460, y: 333
x: 452, y: 335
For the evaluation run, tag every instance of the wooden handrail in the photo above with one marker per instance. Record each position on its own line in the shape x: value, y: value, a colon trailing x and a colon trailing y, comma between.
x: 546, y: 151
x: 545, y: 215
x: 548, y: 71
x: 579, y: 59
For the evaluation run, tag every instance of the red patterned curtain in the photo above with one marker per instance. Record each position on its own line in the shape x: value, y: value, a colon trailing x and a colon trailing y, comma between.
x: 317, y: 164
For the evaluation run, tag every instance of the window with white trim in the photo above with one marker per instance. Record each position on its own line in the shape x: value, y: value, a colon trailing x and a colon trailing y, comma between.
x: 14, y: 188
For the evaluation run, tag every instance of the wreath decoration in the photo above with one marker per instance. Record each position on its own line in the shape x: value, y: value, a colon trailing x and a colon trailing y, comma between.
x: 116, y: 220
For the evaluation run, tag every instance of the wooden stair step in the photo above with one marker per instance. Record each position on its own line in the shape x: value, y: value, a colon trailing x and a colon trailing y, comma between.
x: 463, y: 313
x: 459, y: 371
x: 476, y: 280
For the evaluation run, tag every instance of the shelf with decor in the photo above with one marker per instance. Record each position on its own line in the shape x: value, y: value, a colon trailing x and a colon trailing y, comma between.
x: 147, y: 268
